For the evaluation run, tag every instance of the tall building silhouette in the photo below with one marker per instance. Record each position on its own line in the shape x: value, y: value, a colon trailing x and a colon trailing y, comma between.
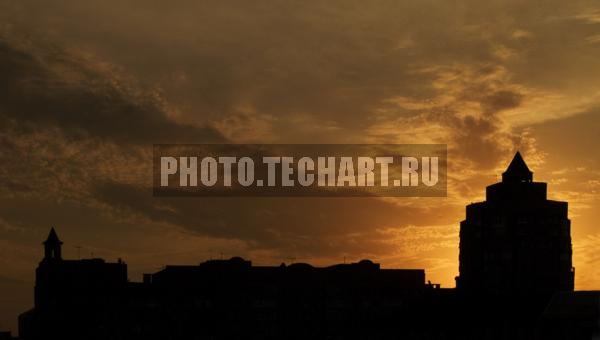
x: 517, y: 242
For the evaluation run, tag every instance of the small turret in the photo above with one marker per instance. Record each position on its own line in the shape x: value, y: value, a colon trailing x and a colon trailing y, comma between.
x: 52, y: 246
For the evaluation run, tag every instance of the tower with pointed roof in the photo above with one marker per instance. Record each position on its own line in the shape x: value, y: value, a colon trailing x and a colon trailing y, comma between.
x: 52, y: 246
x: 517, y: 171
x: 516, y: 242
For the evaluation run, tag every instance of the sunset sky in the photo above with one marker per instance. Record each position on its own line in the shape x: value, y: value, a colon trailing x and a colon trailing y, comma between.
x: 87, y: 87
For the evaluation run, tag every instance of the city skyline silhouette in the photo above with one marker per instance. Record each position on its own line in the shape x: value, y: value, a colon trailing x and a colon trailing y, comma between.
x: 515, y: 282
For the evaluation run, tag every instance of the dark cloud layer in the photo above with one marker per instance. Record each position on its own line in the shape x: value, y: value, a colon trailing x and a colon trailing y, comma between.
x: 47, y: 86
x: 254, y: 69
x: 335, y: 60
x: 310, y: 225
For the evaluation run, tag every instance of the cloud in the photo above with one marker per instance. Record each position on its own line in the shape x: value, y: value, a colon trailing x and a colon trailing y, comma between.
x: 463, y: 110
x: 315, y: 227
x: 45, y: 86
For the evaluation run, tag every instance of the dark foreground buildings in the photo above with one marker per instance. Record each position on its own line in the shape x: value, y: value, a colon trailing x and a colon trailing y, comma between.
x: 515, y: 282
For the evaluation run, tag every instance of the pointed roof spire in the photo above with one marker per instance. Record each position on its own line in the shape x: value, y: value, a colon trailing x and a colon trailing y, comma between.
x: 52, y: 238
x: 517, y: 170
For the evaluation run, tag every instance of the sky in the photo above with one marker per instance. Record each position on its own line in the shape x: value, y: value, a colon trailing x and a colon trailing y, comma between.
x: 87, y: 87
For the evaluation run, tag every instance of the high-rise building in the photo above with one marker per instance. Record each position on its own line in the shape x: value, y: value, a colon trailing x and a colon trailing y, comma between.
x: 517, y: 242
